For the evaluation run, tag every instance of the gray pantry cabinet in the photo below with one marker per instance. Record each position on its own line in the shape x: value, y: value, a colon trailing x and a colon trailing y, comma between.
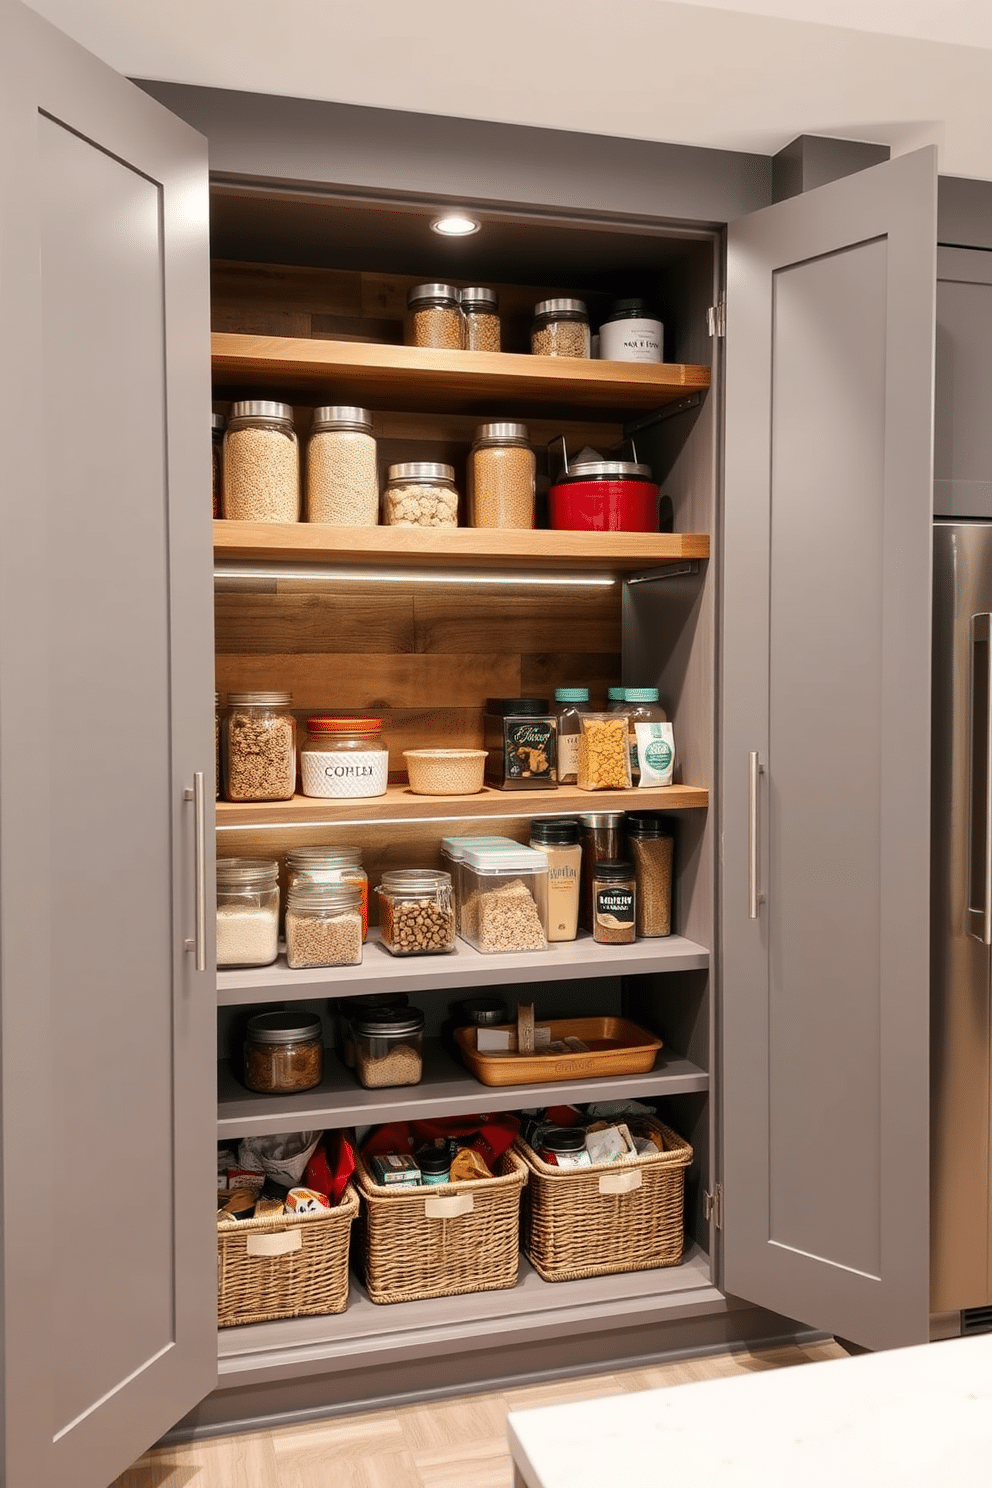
x: 807, y: 666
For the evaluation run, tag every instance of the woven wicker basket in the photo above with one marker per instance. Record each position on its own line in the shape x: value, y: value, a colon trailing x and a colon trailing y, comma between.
x: 622, y: 1216
x: 439, y: 1241
x: 293, y: 1266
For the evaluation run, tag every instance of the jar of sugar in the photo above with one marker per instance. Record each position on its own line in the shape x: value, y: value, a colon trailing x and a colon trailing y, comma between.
x: 247, y: 912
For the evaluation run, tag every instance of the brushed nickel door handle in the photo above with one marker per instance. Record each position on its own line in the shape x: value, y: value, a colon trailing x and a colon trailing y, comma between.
x: 754, y: 896
x: 979, y: 911
x: 199, y: 942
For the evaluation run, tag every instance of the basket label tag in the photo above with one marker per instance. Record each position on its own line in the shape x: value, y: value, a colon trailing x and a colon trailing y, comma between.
x: 281, y: 1243
x: 450, y: 1206
x: 620, y: 1183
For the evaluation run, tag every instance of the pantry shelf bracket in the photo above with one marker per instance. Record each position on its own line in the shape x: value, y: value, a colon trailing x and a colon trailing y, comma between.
x: 692, y: 400
x: 671, y: 571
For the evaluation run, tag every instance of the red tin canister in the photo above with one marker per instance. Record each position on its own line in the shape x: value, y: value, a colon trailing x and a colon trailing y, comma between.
x: 604, y: 496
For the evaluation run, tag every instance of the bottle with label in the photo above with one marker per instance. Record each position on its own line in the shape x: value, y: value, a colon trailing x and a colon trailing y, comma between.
x: 630, y: 333
x: 642, y: 707
x: 559, y: 839
x: 570, y: 703
x: 614, y: 903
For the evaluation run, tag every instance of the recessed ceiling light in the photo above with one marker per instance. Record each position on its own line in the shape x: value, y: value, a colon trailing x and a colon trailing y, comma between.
x: 455, y: 225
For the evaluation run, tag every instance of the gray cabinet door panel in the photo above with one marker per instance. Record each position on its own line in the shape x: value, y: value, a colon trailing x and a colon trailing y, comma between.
x: 962, y: 456
x: 109, y: 1263
x: 826, y: 678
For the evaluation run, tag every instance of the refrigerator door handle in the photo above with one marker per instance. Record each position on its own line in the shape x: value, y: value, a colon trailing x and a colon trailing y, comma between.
x: 979, y: 912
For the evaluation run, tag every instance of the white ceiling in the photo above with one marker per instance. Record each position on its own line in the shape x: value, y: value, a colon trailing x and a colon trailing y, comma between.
x: 737, y: 74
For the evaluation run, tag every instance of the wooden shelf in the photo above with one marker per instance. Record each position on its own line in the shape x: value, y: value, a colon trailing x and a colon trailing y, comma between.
x: 476, y: 382
x: 465, y: 967
x: 447, y: 1089
x: 400, y: 804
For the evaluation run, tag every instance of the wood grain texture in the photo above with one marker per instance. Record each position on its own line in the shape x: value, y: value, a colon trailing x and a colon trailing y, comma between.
x: 341, y: 682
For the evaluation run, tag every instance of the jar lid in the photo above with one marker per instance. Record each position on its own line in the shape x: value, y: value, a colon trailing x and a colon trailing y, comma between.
x: 217, y: 421
x: 432, y: 292
x: 322, y: 857
x: 502, y: 431
x: 418, y: 880
x: 601, y: 819
x: 641, y: 694
x: 344, y: 725
x: 334, y: 415
x: 613, y: 870
x: 477, y: 296
x: 517, y: 707
x: 283, y: 1028
x: 485, y: 1012
x: 616, y: 694
x: 502, y: 861
x: 261, y: 408
x: 388, y: 1020
x: 379, y: 1000
x: 246, y: 870
x: 317, y: 896
x: 421, y: 470
x: 647, y: 824
x: 259, y: 699
x: 571, y: 694
x: 559, y: 307
x: 563, y: 1138
x: 563, y: 832
x: 455, y: 846
x: 629, y: 309
x: 608, y: 470
x: 433, y: 1160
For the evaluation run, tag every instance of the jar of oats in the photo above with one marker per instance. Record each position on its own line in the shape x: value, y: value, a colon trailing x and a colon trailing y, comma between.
x: 261, y: 464
x: 258, y: 743
x: 389, y: 1046
x: 560, y: 329
x: 502, y: 474
x: 481, y: 310
x: 434, y: 317
x: 342, y: 480
x: 323, y: 925
x: 421, y: 493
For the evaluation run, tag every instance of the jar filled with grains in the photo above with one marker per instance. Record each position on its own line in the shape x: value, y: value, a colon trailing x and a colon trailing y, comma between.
x: 481, y: 310
x: 502, y: 474
x: 323, y: 865
x: 342, y: 480
x: 604, y: 752
x: 217, y: 440
x: 601, y: 833
x: 261, y: 473
x: 344, y: 757
x: 283, y: 1052
x: 389, y: 1047
x: 435, y: 317
x: 560, y: 329
x: 421, y: 493
x: 259, y: 746
x: 247, y: 912
x: 651, y: 847
x: 323, y: 925
x: 349, y: 1007
x: 416, y: 913
x: 614, y: 901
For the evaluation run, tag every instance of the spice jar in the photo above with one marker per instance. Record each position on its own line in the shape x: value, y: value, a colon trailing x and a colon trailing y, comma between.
x: 347, y: 1007
x: 614, y: 903
x: 521, y: 738
x: 416, y: 914
x: 283, y: 1052
x: 435, y: 317
x: 480, y: 308
x: 651, y: 847
x: 570, y: 704
x: 323, y: 925
x: 560, y: 329
x: 502, y: 474
x: 259, y: 746
x: 344, y: 757
x: 217, y: 442
x: 389, y: 1047
x: 435, y: 1165
x: 642, y: 707
x: 342, y: 478
x: 323, y: 865
x: 247, y: 912
x: 602, y: 839
x: 563, y: 1147
x: 421, y: 493
x: 261, y: 474
x: 559, y: 840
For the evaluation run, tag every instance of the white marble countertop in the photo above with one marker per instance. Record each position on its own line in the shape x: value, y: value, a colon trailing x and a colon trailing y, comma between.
x: 907, y: 1418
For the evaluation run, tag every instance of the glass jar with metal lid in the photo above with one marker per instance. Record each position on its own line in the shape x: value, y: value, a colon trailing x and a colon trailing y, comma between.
x: 614, y: 902
x: 602, y: 837
x: 642, y: 707
x: 283, y: 1052
x: 247, y: 912
x: 258, y: 742
x: 323, y: 925
x: 321, y: 865
x: 342, y: 478
x: 344, y: 757
x: 421, y: 493
x: 435, y: 317
x: 389, y: 1046
x: 560, y: 329
x: 502, y: 473
x: 416, y: 913
x: 481, y: 310
x: 261, y: 475
x: 651, y: 847
x: 570, y: 704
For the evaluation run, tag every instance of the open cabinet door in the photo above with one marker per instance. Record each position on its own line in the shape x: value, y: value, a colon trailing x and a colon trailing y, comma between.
x: 825, y: 756
x: 107, y: 1027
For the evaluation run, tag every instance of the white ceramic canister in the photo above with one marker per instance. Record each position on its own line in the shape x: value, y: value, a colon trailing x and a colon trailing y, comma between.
x: 344, y: 757
x: 629, y: 334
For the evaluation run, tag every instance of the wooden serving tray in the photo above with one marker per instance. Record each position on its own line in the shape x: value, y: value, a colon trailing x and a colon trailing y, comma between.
x: 616, y: 1047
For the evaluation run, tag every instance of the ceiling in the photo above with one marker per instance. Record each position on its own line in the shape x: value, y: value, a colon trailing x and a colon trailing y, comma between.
x: 738, y: 74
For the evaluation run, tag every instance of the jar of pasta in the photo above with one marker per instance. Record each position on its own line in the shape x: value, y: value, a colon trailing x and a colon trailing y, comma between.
x: 258, y: 742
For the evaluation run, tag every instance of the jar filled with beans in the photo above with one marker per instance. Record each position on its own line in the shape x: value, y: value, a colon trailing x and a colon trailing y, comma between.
x: 342, y: 480
x: 434, y: 317
x: 258, y: 745
x: 560, y: 329
x: 481, y: 310
x: 501, y: 477
x: 416, y: 913
x: 421, y: 493
x: 323, y: 925
x: 261, y: 464
x: 389, y: 1047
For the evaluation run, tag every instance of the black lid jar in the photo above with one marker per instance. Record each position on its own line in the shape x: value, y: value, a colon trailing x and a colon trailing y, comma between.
x: 630, y: 333
x: 284, y: 1051
x: 521, y: 740
x: 614, y: 901
x: 561, y: 831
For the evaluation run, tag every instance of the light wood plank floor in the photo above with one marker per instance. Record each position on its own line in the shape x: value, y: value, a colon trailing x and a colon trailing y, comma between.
x: 458, y: 1443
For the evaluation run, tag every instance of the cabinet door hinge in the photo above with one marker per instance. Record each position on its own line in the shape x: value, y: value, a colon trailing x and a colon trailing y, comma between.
x: 716, y: 318
x: 713, y: 1205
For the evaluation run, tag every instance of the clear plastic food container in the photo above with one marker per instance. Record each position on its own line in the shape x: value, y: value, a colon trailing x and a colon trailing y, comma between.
x: 416, y: 913
x: 389, y: 1047
x: 505, y: 905
x: 323, y: 925
x: 258, y: 745
x: 453, y: 852
x: 329, y: 865
x: 247, y: 912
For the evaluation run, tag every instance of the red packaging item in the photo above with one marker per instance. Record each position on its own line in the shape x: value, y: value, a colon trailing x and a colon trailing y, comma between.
x: 604, y: 496
x: 490, y: 1135
x: 330, y: 1166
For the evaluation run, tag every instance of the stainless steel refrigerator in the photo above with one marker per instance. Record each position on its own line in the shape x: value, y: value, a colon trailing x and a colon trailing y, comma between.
x: 961, y: 928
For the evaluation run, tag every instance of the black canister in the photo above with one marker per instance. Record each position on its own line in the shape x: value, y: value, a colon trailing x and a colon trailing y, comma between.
x: 521, y: 737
